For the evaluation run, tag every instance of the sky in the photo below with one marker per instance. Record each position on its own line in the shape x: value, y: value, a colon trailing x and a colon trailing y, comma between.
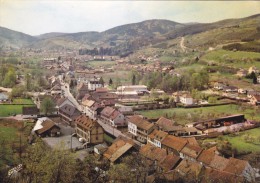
x: 36, y: 17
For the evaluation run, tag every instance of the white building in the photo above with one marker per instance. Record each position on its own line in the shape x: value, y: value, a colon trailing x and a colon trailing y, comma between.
x: 132, y: 89
x: 95, y: 83
x: 186, y: 99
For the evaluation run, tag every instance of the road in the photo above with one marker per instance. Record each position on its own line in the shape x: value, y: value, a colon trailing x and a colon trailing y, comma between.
x: 66, y: 88
x: 183, y: 47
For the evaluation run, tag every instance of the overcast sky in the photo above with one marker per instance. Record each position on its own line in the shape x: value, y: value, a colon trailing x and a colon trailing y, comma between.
x: 42, y: 16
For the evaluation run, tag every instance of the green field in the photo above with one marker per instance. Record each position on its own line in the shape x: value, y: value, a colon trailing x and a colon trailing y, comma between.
x: 238, y: 141
x: 8, y: 110
x: 22, y: 101
x: 238, y: 59
x: 184, y: 116
x: 8, y: 133
x: 97, y: 64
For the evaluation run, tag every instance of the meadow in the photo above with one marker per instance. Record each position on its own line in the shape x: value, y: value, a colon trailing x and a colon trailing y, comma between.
x: 9, y: 110
x: 188, y: 115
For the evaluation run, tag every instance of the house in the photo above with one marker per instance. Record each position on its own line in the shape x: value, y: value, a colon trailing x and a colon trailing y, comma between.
x: 68, y: 113
x: 218, y: 176
x: 112, y: 117
x: 230, y: 89
x: 82, y: 89
x: 253, y: 69
x: 250, y: 94
x: 56, y: 89
x: 190, y: 152
x: 155, y: 138
x: 242, y: 91
x: 100, y: 148
x: 126, y: 110
x: 173, y: 145
x: 139, y: 128
x: 63, y: 101
x: 158, y: 158
x: 120, y: 147
x: 186, y: 99
x: 241, y: 73
x: 89, y: 130
x: 258, y: 79
x: 86, y: 106
x: 240, y: 168
x: 45, y: 127
x: 189, y: 171
x: 3, y: 97
x: 219, y: 86
x: 168, y: 126
x: 255, y: 100
x: 95, y: 83
x: 132, y: 90
x: 30, y: 110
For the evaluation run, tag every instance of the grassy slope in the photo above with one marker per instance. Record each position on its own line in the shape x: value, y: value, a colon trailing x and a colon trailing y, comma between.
x: 239, y: 142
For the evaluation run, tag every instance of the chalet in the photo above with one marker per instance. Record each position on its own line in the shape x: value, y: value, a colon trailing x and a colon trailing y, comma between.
x: 139, y: 128
x: 45, y: 127
x: 173, y: 145
x: 255, y: 100
x: 89, y: 130
x: 155, y: 138
x: 190, y: 152
x: 30, y: 110
x: 120, y: 148
x: 241, y: 73
x: 168, y: 126
x: 112, y: 117
x: 68, y: 113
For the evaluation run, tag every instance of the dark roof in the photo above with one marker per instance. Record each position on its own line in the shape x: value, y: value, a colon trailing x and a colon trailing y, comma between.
x: 69, y: 110
x: 158, y: 135
x: 107, y: 111
x: 169, y: 162
x: 46, y: 125
x: 140, y: 122
x: 206, y: 156
x: 30, y: 110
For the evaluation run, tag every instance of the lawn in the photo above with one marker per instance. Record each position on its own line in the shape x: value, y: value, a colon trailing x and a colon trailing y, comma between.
x: 22, y: 101
x: 184, y: 116
x: 8, y: 110
x: 8, y: 133
x: 239, y: 141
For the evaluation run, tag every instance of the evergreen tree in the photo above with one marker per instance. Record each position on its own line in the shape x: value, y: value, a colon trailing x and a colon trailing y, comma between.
x: 110, y: 82
x: 133, y: 80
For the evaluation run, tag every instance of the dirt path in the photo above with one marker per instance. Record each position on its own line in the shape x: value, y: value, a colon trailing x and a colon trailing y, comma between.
x: 183, y: 47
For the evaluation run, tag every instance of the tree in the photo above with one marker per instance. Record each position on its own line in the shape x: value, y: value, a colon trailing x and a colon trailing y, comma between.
x: 28, y: 81
x: 253, y: 75
x: 101, y: 81
x: 110, y: 82
x: 47, y: 105
x: 10, y: 78
x: 133, y: 80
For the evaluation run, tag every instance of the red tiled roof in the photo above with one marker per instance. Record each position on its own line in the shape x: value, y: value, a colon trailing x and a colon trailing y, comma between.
x: 236, y: 166
x: 86, y: 122
x: 191, y: 150
x: 140, y: 122
x: 173, y: 142
x: 158, y: 135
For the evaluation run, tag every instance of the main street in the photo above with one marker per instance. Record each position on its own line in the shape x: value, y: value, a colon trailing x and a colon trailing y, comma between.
x: 66, y: 89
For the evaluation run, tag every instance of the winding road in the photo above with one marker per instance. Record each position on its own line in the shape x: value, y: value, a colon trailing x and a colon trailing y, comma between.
x: 183, y: 47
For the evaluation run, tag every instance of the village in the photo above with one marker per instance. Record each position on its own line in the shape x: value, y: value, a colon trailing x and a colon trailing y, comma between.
x: 86, y: 118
